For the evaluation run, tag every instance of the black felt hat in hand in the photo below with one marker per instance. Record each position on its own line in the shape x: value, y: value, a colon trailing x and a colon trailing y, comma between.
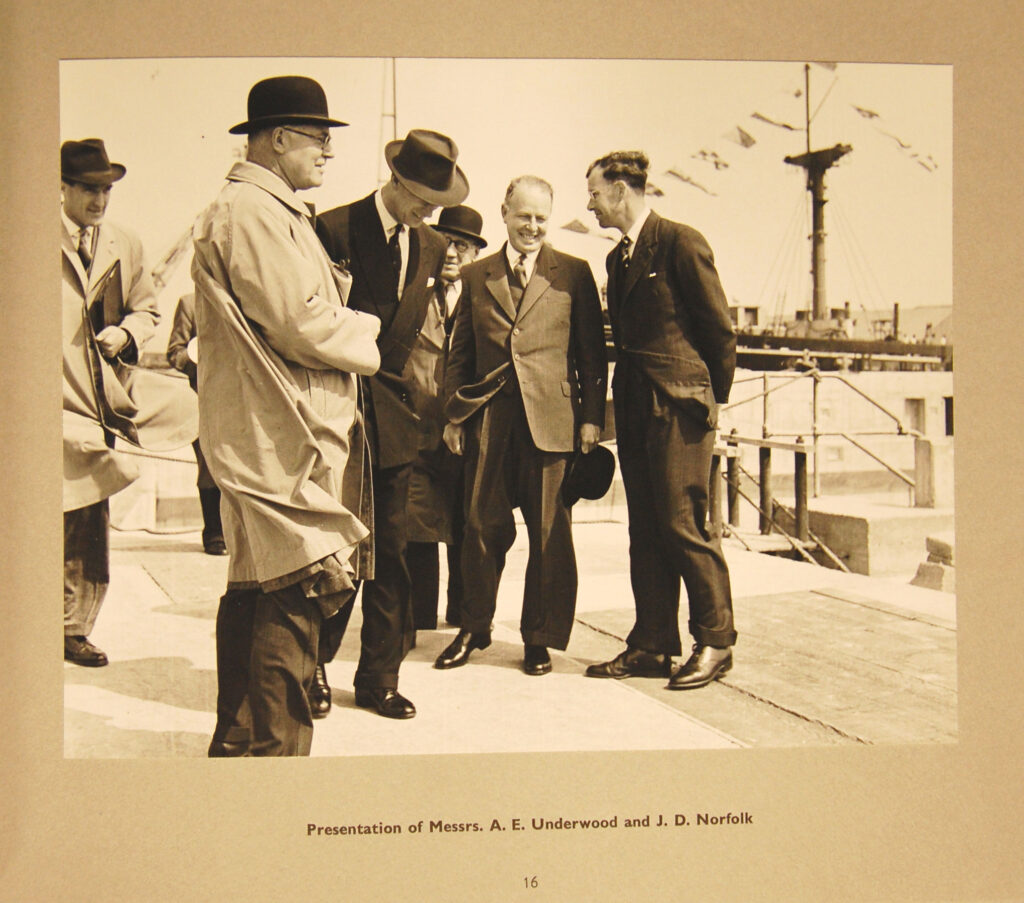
x: 588, y: 476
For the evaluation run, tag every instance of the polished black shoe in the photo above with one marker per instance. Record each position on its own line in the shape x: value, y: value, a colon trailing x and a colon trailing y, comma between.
x: 79, y: 651
x: 536, y: 659
x: 458, y: 650
x: 633, y: 663
x: 389, y: 703
x: 707, y: 663
x: 214, y: 545
x: 227, y: 749
x: 320, y: 693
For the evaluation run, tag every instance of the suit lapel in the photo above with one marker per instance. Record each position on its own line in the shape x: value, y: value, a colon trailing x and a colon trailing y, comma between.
x: 106, y: 254
x: 73, y: 261
x: 543, y: 275
x: 646, y: 244
x: 370, y: 249
x: 497, y: 284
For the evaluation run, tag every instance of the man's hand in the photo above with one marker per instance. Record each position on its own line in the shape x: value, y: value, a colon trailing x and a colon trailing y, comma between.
x: 111, y: 340
x: 590, y: 434
x: 454, y: 434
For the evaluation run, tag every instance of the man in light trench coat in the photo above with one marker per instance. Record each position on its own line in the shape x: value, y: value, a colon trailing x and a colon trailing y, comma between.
x: 279, y: 352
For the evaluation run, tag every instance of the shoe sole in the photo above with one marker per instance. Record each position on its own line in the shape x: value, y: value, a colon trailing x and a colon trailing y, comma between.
x: 372, y: 707
x: 91, y: 663
x: 662, y: 673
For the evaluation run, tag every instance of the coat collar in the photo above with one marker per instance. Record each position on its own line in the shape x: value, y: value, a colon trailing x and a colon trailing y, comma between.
x: 497, y: 281
x: 105, y: 252
x: 260, y: 176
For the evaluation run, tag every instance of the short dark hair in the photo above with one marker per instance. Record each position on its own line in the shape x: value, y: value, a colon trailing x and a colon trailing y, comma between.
x: 629, y: 166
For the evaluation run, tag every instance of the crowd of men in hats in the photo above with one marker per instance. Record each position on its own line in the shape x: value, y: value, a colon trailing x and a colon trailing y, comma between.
x: 368, y: 390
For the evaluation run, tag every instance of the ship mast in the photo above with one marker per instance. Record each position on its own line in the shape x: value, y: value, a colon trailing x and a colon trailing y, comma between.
x: 817, y: 163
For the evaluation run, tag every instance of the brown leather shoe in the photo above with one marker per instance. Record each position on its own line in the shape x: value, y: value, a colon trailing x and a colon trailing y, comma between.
x: 79, y: 651
x: 536, y: 659
x: 707, y: 663
x: 457, y: 653
x: 388, y: 702
x: 320, y: 693
x: 633, y: 663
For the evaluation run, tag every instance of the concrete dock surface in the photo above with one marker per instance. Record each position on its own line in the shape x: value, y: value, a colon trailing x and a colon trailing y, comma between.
x: 823, y: 658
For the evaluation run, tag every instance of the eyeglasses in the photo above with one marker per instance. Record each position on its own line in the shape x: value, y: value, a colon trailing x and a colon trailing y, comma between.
x: 461, y: 245
x: 323, y: 140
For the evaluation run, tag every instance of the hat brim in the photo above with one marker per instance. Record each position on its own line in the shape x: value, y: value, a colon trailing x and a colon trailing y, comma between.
x: 462, y: 233
x: 600, y: 463
x: 452, y: 197
x: 100, y: 177
x: 266, y: 122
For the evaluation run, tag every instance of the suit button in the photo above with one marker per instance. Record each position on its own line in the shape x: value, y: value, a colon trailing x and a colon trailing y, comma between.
x: 516, y: 331
x: 518, y: 356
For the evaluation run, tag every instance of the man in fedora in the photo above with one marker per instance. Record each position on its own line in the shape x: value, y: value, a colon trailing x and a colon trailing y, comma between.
x: 277, y: 400
x: 676, y: 358
x: 394, y: 259
x: 435, y: 485
x: 525, y: 386
x: 109, y: 311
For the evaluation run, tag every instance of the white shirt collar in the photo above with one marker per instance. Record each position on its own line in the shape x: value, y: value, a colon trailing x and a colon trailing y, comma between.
x: 634, y: 230
x: 73, y: 227
x: 386, y: 219
x: 512, y: 255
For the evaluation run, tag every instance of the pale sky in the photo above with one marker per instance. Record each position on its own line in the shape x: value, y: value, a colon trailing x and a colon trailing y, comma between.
x: 889, y: 218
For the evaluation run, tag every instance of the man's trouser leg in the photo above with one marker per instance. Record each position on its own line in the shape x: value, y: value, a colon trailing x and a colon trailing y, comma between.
x: 86, y: 566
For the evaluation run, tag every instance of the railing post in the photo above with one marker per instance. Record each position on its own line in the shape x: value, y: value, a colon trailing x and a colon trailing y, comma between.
x: 765, y: 478
x: 732, y: 470
x: 715, y: 496
x: 814, y: 434
x: 800, y: 492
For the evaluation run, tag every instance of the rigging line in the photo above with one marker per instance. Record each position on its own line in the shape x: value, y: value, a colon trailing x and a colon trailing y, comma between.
x: 794, y: 283
x: 824, y: 97
x: 857, y: 268
x: 851, y: 265
x: 859, y: 248
x: 783, y: 247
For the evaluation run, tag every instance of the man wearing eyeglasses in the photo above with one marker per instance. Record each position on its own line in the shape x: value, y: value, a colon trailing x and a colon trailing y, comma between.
x: 435, y: 486
x: 279, y: 354
x: 394, y: 259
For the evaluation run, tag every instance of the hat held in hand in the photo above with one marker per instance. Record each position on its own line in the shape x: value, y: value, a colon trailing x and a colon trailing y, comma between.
x: 588, y: 476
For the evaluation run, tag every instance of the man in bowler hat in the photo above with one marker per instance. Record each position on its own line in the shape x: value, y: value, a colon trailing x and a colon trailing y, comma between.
x: 525, y: 386
x: 435, y: 485
x: 676, y: 355
x: 109, y: 311
x: 394, y: 259
x: 280, y: 352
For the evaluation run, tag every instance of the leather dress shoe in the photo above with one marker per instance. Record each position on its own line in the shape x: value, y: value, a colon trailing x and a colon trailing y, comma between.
x: 215, y: 546
x: 633, y: 663
x: 707, y: 663
x: 79, y: 651
x: 320, y: 693
x: 388, y: 702
x: 536, y: 659
x: 458, y: 650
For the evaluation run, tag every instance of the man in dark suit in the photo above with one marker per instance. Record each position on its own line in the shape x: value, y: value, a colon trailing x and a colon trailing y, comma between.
x: 436, y: 484
x: 393, y: 259
x: 676, y: 354
x: 525, y: 384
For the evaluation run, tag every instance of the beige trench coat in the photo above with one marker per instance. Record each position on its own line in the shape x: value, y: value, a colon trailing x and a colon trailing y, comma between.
x: 93, y: 471
x: 277, y: 391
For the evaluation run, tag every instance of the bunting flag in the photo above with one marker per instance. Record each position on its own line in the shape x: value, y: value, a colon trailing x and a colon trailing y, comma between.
x: 782, y: 125
x: 711, y: 157
x: 926, y: 161
x: 576, y: 226
x: 654, y: 191
x: 683, y: 177
x: 824, y: 65
x: 739, y: 136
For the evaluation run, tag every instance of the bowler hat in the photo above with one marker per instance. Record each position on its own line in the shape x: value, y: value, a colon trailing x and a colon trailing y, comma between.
x: 588, y: 476
x: 424, y: 162
x: 283, y: 99
x: 86, y: 163
x: 462, y: 221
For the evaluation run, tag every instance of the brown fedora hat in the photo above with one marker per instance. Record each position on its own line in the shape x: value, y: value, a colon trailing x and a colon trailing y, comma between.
x: 462, y: 221
x: 285, y: 99
x: 86, y: 163
x: 424, y: 162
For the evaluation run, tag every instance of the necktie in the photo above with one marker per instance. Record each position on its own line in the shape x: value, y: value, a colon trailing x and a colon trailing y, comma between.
x: 395, y: 250
x: 624, y: 252
x: 84, y: 249
x: 520, y: 270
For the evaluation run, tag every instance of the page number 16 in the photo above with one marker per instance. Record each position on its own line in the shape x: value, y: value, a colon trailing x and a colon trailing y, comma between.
x: 530, y: 881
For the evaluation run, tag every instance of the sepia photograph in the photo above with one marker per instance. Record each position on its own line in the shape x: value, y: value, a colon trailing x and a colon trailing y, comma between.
x: 815, y: 532
x: 550, y: 431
